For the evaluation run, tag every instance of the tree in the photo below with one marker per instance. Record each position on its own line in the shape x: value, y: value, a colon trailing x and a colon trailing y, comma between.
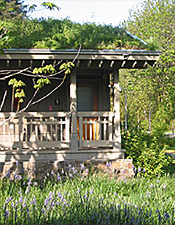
x: 40, y: 76
x: 154, y: 22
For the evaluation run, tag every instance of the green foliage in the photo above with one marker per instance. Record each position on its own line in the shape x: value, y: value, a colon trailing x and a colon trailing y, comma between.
x: 20, y: 94
x: 41, y: 83
x: 10, y: 9
x: 64, y: 34
x: 50, y: 6
x: 66, y: 67
x: 86, y: 200
x: 147, y: 153
x: 17, y: 91
x: 48, y: 69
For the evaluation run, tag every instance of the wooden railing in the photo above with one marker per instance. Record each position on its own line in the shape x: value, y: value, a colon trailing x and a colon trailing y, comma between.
x: 95, y: 129
x: 35, y: 130
x: 32, y: 130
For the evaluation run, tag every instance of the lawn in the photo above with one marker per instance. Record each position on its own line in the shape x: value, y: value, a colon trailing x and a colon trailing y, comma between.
x: 91, y: 199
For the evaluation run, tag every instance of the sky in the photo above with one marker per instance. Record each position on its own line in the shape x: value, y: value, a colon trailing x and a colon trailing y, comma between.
x: 99, y: 11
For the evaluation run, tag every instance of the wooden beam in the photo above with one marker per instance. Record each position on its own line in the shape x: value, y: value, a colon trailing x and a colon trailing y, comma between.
x: 100, y: 64
x: 123, y: 63
x: 112, y: 63
x: 73, y: 110
x: 19, y: 63
x: 78, y: 63
x: 134, y: 64
x: 117, y: 135
x: 89, y: 63
x: 145, y: 64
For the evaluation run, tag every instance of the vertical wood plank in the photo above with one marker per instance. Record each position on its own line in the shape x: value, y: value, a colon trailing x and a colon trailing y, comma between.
x: 110, y: 127
x: 73, y: 110
x: 117, y: 135
x: 80, y: 129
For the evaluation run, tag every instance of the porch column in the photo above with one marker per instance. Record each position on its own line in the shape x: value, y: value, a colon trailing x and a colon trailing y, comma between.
x: 73, y: 110
x: 117, y: 135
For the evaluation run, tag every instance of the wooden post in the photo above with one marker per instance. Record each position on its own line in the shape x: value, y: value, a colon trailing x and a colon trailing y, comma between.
x: 73, y: 110
x: 20, y: 117
x: 117, y: 135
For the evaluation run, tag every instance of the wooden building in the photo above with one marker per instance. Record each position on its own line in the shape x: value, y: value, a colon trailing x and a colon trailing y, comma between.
x: 76, y: 122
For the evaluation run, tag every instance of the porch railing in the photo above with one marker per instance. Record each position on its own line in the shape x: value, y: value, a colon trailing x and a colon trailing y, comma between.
x: 95, y: 129
x: 32, y: 130
x: 35, y: 130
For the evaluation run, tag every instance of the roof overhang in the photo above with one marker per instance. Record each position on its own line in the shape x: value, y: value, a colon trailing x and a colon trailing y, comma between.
x: 130, y: 59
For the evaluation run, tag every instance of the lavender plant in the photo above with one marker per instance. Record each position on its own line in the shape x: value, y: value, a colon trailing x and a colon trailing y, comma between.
x: 86, y: 200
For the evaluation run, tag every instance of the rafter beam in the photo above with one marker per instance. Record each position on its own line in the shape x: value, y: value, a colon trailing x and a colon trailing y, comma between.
x: 100, y: 64
x: 134, y: 64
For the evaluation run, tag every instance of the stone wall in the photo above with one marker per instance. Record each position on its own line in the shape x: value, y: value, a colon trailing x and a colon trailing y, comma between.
x: 120, y: 168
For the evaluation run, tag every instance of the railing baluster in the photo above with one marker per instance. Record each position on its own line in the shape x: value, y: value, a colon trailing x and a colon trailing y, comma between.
x: 85, y: 122
x: 80, y: 130
x: 90, y: 129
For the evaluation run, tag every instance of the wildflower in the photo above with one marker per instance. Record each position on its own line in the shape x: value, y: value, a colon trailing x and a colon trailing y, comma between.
x: 108, y: 164
x: 21, y: 199
x: 82, y: 166
x: 35, y: 183
x: 148, y: 194
x: 6, y: 214
x: 52, y: 172
x: 139, y: 169
x: 166, y: 215
x: 20, y: 192
x: 58, y: 178
x: 17, y: 163
x: 46, y: 201
x: 8, y: 200
x: 157, y: 211
x: 151, y: 186
x: 144, y: 171
x: 33, y: 202
x: 164, y: 187
x: 91, y: 191
x: 158, y: 181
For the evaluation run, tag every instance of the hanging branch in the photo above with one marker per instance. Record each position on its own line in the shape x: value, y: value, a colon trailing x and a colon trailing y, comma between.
x: 64, y: 68
x: 3, y: 100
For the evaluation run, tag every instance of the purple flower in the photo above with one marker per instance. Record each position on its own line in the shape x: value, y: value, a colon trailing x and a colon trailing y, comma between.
x: 17, y: 163
x: 166, y: 215
x: 52, y: 172
x: 151, y: 186
x: 91, y: 191
x: 58, y: 178
x: 46, y: 201
x: 8, y: 200
x: 157, y: 181
x: 35, y: 183
x: 157, y: 211
x: 108, y: 164
x: 33, y: 202
x: 82, y: 166
x: 21, y: 199
x: 6, y: 214
x: 148, y: 194
x: 139, y: 169
x: 164, y: 187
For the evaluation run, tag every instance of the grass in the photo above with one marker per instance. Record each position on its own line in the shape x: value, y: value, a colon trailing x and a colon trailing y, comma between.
x: 94, y: 199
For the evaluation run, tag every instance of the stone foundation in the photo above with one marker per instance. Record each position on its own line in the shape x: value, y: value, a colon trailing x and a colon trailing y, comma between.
x: 120, y: 168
